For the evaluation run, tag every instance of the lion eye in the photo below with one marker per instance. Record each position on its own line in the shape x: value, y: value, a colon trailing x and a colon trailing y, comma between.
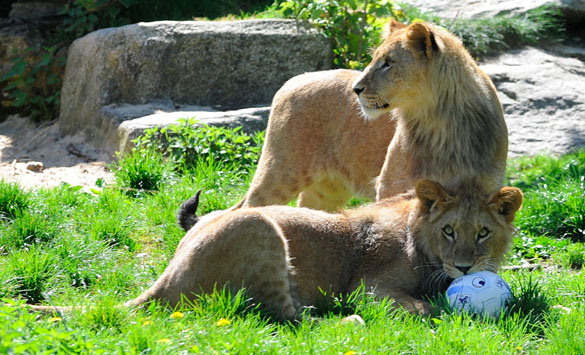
x: 448, y: 232
x: 387, y: 63
x: 483, y: 233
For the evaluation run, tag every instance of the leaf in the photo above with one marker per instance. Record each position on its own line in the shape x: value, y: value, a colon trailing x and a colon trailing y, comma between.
x: 17, y: 70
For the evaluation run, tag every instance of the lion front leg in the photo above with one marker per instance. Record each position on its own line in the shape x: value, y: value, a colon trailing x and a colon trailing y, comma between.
x: 413, y: 305
x: 395, y: 176
x: 403, y: 299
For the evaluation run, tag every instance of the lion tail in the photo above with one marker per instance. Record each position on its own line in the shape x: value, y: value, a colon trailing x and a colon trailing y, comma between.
x: 187, y: 217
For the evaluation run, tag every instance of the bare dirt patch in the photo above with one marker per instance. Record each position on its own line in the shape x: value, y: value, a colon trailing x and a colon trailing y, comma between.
x: 35, y: 155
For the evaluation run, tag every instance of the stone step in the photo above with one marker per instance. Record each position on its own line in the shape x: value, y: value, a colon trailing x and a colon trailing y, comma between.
x: 120, y: 139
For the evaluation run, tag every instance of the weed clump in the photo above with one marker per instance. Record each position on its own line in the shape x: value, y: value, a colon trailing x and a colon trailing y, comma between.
x: 32, y: 269
x: 13, y: 200
x: 141, y: 170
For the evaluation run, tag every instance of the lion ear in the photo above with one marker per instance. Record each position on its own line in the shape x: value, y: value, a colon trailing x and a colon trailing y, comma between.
x: 431, y: 194
x: 507, y: 201
x: 394, y: 25
x: 421, y: 39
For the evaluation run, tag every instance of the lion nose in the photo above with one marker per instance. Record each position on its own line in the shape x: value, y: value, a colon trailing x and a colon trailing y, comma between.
x: 463, y: 269
x: 358, y: 90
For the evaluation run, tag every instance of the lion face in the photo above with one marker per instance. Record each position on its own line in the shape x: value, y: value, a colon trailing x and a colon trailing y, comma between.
x: 397, y: 71
x: 467, y: 231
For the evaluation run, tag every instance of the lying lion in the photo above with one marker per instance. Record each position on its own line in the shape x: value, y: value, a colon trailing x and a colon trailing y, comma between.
x: 404, y: 248
x: 425, y: 110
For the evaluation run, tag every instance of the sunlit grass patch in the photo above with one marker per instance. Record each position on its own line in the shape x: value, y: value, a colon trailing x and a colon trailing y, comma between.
x: 111, y: 246
x: 33, y: 269
x: 556, y: 209
x: 28, y: 228
x: 13, y: 200
x: 573, y: 256
x: 141, y: 170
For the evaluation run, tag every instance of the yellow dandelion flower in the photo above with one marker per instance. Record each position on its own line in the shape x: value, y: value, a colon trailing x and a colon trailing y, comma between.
x: 147, y: 322
x: 164, y: 341
x: 177, y: 315
x: 223, y: 322
x: 55, y: 320
x: 351, y: 352
x: 519, y: 348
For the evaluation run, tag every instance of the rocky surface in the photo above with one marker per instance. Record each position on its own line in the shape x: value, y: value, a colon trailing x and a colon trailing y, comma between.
x: 542, y: 90
x: 543, y: 95
x: 574, y: 9
x: 29, y: 10
x: 165, y: 66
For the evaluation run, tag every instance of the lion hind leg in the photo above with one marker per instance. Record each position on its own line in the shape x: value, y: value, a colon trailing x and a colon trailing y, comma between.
x: 265, y: 268
x: 274, y: 183
x: 327, y: 193
x: 245, y: 249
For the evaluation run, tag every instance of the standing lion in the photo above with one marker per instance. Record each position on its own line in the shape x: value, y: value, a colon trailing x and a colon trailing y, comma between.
x: 424, y: 110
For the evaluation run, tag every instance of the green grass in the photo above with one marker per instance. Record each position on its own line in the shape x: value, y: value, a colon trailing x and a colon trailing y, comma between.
x: 64, y: 246
x: 13, y: 200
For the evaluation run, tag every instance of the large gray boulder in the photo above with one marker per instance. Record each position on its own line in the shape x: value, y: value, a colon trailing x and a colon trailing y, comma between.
x: 543, y: 95
x: 167, y: 66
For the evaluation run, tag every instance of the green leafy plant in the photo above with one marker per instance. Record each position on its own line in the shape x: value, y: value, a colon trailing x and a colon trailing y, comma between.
x: 536, y: 248
x: 81, y: 259
x: 84, y: 16
x: 78, y: 268
x: 223, y: 303
x: 188, y: 142
x: 354, y: 27
x: 34, y: 82
x: 554, y: 197
x: 29, y: 336
x: 106, y: 316
x: 69, y: 195
x: 360, y: 301
x: 530, y: 173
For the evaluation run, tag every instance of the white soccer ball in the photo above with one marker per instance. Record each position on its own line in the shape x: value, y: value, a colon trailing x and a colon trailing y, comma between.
x: 482, y: 293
